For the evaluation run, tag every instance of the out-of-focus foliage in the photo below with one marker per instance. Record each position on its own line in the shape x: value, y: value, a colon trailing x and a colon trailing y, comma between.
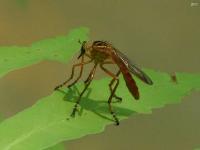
x: 22, y: 3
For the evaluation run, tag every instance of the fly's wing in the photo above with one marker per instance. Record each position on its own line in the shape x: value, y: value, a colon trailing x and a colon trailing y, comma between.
x: 133, y: 68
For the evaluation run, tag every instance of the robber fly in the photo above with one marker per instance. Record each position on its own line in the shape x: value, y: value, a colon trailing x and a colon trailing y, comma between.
x: 102, y: 53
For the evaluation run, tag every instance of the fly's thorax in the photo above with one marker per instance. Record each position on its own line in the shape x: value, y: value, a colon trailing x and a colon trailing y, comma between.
x: 99, y: 55
x: 99, y: 51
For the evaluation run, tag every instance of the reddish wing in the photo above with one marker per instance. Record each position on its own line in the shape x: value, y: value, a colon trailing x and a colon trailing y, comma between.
x: 133, y: 68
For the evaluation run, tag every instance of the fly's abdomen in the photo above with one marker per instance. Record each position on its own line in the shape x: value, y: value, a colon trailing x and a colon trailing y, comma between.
x: 130, y: 82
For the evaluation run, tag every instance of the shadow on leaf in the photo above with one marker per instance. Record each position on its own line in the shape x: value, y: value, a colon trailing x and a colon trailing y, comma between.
x: 99, y: 107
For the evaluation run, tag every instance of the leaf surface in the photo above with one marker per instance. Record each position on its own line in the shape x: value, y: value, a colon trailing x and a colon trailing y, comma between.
x: 48, y: 122
x: 59, y: 49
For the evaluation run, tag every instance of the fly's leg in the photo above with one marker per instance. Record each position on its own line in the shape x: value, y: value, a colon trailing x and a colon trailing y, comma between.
x: 112, y: 93
x: 88, y: 78
x: 72, y: 74
x: 91, y: 76
x: 110, y: 86
x: 110, y: 101
x: 119, y: 99
x: 81, y: 70
x: 71, y: 77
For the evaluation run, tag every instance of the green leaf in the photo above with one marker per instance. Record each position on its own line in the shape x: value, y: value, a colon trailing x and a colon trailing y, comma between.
x: 59, y: 146
x: 59, y: 49
x: 48, y: 122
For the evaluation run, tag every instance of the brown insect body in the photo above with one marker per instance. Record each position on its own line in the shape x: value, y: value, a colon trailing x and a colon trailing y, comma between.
x: 101, y: 53
x: 98, y: 52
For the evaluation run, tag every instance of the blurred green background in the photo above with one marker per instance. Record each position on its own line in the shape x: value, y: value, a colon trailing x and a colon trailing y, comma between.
x: 162, y: 35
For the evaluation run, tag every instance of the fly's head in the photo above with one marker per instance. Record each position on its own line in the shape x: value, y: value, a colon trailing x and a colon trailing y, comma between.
x: 83, y: 48
x: 86, y: 47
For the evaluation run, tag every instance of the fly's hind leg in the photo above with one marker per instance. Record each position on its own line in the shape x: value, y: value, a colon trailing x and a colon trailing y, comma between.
x: 119, y: 99
x: 115, y: 78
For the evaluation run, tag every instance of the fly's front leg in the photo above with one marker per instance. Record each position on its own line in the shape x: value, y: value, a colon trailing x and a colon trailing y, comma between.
x: 88, y: 78
x: 81, y: 70
x: 72, y: 73
x: 91, y: 76
x: 112, y: 93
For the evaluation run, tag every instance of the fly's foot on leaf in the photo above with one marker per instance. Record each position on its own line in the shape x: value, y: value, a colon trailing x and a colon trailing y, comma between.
x: 69, y: 86
x: 85, y: 81
x: 74, y: 111
x: 117, y: 99
x: 117, y: 123
x: 73, y: 114
x: 115, y: 118
x: 57, y: 87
